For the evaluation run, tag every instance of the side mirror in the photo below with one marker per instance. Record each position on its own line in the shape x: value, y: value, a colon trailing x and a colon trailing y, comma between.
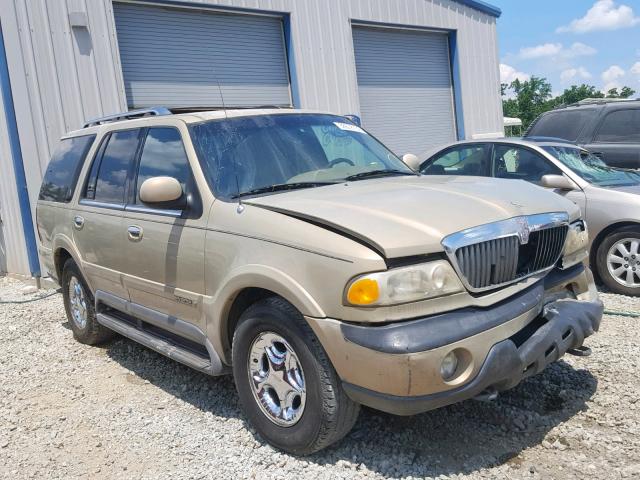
x: 559, y: 182
x: 412, y: 161
x: 162, y: 192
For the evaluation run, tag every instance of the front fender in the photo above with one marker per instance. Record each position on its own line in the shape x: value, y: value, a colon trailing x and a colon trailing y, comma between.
x: 254, y: 276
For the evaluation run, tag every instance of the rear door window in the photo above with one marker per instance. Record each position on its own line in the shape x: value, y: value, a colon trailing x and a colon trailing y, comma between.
x: 462, y: 160
x: 563, y: 124
x: 620, y: 126
x: 116, y: 161
x: 163, y: 155
x: 62, y: 172
x: 519, y: 163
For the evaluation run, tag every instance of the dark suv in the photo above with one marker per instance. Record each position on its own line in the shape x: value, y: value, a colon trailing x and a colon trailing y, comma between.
x: 610, y: 129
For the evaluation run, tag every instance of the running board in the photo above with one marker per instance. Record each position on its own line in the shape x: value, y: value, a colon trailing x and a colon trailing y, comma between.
x: 160, y: 345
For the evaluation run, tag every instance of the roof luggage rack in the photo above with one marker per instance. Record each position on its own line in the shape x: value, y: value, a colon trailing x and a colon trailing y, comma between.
x: 228, y: 107
x: 596, y: 101
x: 600, y: 101
x: 130, y: 115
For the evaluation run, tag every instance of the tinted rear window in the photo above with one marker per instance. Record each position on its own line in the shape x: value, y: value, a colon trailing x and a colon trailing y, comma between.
x: 62, y: 173
x: 564, y: 124
x: 114, y: 166
x: 620, y: 126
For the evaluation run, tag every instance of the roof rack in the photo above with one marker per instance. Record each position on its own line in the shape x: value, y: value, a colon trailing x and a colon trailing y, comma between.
x: 596, y: 101
x: 143, y: 112
x: 589, y: 101
x: 221, y: 108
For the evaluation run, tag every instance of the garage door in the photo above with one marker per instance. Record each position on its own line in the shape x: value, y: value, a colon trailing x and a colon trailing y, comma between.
x: 404, y: 83
x: 176, y: 57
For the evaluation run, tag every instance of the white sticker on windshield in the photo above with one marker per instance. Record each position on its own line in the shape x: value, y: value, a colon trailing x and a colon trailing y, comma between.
x: 348, y: 126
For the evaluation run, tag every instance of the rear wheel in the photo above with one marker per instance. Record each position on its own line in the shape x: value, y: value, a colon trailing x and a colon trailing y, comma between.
x: 79, y: 305
x: 287, y: 386
x: 618, y: 261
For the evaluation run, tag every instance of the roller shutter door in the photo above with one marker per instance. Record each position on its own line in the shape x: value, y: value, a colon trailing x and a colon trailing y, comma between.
x: 176, y: 57
x: 404, y: 84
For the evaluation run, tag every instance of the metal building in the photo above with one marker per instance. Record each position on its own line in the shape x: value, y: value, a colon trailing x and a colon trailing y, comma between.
x: 418, y: 72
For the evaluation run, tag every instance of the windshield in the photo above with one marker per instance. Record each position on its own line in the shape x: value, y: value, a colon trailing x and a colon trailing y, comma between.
x: 258, y: 154
x: 592, y: 169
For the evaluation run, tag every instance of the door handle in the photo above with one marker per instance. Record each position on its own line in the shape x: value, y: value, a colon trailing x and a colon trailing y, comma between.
x: 135, y: 233
x: 78, y: 222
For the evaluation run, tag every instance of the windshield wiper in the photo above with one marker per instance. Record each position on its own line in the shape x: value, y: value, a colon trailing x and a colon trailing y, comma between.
x: 279, y: 187
x: 377, y: 173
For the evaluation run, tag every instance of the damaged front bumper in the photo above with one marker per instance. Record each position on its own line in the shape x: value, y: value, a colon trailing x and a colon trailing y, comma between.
x: 563, y: 326
x: 396, y: 368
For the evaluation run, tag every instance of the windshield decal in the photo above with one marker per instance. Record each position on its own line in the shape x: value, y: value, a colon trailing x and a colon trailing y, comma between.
x: 349, y: 127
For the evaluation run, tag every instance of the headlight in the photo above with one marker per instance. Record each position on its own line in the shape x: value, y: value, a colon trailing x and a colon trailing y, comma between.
x: 402, y: 285
x: 576, y: 246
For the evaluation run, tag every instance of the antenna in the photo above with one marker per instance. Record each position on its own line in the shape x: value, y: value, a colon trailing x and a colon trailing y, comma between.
x: 240, y: 208
x: 224, y: 107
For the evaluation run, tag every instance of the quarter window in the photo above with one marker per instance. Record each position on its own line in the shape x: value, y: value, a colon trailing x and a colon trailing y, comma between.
x: 114, y: 166
x: 62, y: 172
x: 163, y: 155
x: 468, y: 160
x: 565, y: 124
x: 621, y: 126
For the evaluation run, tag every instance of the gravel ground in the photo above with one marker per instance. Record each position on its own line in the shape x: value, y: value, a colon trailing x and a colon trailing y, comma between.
x: 122, y: 411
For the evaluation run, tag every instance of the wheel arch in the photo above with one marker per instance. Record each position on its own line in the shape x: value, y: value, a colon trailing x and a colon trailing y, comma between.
x: 246, y: 287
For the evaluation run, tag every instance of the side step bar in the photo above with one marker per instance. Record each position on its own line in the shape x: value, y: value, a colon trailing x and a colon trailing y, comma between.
x: 158, y: 344
x: 171, y: 336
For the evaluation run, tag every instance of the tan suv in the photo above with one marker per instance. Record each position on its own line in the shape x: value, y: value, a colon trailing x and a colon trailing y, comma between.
x: 295, y: 250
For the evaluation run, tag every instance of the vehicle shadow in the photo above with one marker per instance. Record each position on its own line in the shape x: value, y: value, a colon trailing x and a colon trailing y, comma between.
x: 469, y: 436
x: 458, y: 439
x: 216, y: 395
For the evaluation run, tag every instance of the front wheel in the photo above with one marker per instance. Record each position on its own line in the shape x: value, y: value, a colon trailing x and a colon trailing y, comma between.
x: 287, y: 386
x: 618, y: 261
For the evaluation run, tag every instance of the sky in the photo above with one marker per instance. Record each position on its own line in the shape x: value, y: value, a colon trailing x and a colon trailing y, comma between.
x: 596, y: 42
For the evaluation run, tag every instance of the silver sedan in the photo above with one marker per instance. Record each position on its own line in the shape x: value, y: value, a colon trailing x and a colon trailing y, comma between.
x: 609, y: 197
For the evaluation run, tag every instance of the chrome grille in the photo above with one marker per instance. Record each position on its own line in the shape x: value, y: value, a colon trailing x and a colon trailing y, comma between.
x: 493, y: 255
x: 489, y: 263
x: 549, y: 246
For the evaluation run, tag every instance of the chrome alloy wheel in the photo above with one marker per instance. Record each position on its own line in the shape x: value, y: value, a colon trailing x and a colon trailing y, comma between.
x: 277, y: 379
x: 78, y: 303
x: 623, y: 262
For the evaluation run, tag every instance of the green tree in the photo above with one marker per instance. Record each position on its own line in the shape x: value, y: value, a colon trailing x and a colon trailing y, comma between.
x: 531, y: 98
x: 625, y: 92
x: 576, y: 93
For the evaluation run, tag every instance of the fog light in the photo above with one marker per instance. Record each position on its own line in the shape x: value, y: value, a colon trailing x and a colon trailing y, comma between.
x: 449, y: 365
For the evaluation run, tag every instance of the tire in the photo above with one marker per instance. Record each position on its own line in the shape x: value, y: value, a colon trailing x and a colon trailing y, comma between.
x: 625, y: 236
x: 88, y: 331
x: 327, y: 414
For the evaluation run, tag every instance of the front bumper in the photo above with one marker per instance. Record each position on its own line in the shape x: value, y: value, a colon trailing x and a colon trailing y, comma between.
x: 563, y: 326
x: 396, y: 367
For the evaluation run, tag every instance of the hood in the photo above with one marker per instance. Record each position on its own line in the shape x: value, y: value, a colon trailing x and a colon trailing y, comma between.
x: 404, y: 216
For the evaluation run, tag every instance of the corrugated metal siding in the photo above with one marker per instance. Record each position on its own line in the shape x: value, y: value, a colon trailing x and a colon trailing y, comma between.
x: 404, y: 83
x: 13, y: 255
x: 62, y: 76
x: 245, y: 54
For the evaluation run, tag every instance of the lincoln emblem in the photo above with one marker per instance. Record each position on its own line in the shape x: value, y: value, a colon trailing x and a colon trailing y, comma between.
x: 523, y: 229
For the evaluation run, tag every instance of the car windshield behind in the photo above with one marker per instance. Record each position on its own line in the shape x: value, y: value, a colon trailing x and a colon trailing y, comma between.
x: 257, y: 154
x: 592, y: 169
